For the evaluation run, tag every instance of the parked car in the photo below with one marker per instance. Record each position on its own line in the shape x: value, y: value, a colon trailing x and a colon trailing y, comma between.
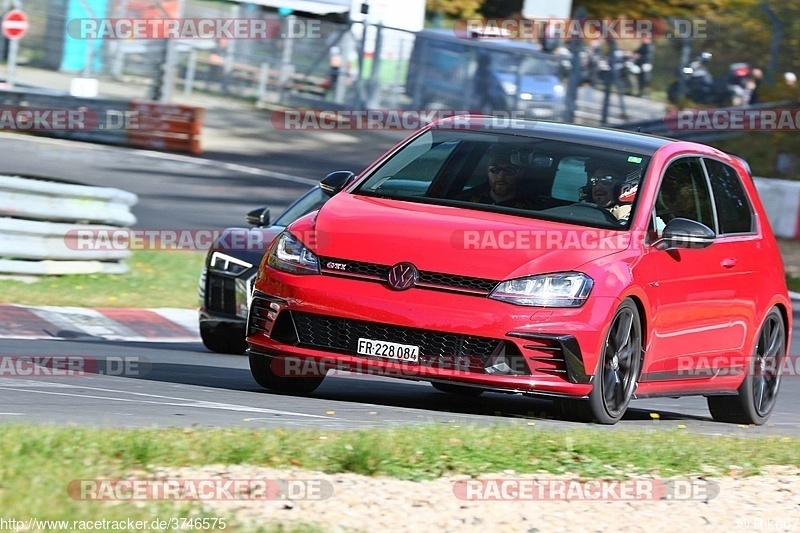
x: 625, y: 266
x: 226, y: 280
x: 491, y: 76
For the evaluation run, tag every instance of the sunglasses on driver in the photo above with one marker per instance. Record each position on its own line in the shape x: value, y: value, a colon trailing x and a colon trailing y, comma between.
x: 508, y: 171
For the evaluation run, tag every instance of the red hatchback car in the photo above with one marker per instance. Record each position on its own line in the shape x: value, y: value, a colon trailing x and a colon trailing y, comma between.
x: 586, y: 265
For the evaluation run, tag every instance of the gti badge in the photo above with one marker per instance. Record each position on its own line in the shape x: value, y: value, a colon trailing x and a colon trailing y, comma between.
x: 403, y: 276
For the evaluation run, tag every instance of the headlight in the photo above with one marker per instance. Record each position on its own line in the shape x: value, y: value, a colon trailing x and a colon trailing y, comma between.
x: 228, y: 263
x: 509, y: 87
x: 558, y: 90
x: 290, y: 255
x: 569, y: 289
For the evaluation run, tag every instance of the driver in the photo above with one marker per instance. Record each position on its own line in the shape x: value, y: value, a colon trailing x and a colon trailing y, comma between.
x: 502, y: 180
x: 603, y: 189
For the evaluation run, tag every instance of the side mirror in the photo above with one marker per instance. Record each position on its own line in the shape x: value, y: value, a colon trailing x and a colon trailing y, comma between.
x: 336, y: 181
x: 258, y: 217
x: 685, y: 233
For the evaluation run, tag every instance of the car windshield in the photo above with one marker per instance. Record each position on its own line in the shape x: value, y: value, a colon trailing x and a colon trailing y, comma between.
x: 517, y: 174
x: 311, y: 201
x: 524, y: 66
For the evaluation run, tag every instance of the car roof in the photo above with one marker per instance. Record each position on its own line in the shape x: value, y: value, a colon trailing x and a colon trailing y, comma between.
x: 558, y: 131
x: 498, y: 43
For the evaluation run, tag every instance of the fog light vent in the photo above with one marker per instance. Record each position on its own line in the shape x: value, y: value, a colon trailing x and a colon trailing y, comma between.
x: 503, y: 361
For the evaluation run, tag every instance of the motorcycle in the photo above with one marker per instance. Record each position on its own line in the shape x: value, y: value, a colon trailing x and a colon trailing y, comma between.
x: 700, y: 86
x: 627, y: 71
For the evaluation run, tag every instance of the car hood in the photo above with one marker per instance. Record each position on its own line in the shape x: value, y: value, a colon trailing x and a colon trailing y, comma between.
x: 450, y: 240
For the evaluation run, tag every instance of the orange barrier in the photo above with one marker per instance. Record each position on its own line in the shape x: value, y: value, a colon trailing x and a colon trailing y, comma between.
x: 137, y: 123
x: 166, y: 126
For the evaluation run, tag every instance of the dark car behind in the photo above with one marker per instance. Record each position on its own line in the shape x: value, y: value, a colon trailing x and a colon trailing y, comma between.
x: 231, y: 264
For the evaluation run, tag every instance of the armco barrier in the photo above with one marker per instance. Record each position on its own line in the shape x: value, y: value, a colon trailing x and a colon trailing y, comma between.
x: 661, y: 126
x: 781, y: 199
x: 36, y: 215
x: 143, y: 124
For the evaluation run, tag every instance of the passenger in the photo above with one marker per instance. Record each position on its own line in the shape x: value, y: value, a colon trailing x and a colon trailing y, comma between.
x: 604, y: 188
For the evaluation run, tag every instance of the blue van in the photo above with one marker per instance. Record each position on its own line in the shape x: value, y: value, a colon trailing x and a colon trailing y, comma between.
x: 489, y: 76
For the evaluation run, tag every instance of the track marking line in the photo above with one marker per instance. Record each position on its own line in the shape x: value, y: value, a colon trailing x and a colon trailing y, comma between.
x: 184, y: 402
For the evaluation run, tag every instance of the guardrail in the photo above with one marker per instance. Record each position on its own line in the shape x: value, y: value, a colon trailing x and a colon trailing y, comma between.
x: 661, y: 126
x: 136, y: 123
x: 781, y: 200
x: 37, y: 215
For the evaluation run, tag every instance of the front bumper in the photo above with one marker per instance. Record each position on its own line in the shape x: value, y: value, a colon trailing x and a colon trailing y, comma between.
x: 313, y: 323
x: 225, y: 297
x: 539, y: 107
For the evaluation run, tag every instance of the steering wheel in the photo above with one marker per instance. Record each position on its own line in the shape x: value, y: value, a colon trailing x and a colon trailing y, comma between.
x: 607, y: 216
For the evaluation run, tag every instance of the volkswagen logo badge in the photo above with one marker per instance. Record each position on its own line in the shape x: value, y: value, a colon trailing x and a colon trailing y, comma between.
x: 403, y: 276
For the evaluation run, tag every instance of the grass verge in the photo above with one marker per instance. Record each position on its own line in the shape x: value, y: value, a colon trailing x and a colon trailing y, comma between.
x: 156, y: 279
x: 39, y: 462
x: 792, y: 283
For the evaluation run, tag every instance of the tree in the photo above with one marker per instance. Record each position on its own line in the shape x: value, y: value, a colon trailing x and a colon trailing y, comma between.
x: 660, y: 8
x: 455, y: 8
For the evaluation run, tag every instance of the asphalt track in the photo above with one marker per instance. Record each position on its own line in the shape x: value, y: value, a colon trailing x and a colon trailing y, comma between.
x: 185, y: 385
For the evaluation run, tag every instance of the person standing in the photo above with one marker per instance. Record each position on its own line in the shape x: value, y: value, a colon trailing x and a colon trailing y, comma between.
x: 757, y: 77
x: 644, y: 60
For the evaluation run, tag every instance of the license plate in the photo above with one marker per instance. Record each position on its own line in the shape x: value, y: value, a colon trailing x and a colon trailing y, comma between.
x: 389, y: 350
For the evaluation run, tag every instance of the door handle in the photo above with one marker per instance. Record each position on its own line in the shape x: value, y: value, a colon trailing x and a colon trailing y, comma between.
x: 729, y: 262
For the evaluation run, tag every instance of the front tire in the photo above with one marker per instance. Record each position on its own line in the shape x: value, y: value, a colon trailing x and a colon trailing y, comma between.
x: 617, y: 371
x: 228, y: 341
x: 261, y: 368
x: 758, y: 392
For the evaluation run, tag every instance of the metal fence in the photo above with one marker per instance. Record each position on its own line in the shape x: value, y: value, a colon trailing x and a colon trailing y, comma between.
x: 334, y: 66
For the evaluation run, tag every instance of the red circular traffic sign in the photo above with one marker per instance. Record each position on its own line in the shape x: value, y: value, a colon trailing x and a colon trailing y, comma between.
x: 15, y: 24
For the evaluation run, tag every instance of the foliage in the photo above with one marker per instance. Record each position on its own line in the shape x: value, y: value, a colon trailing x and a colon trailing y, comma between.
x: 455, y: 8
x: 660, y: 8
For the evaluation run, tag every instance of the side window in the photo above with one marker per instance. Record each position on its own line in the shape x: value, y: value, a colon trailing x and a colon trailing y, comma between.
x: 684, y: 194
x: 733, y: 209
x: 304, y: 205
x: 570, y: 177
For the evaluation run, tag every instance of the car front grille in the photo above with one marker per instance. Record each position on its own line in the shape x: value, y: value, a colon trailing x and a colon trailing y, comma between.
x: 220, y: 294
x: 437, y: 349
x: 427, y: 280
